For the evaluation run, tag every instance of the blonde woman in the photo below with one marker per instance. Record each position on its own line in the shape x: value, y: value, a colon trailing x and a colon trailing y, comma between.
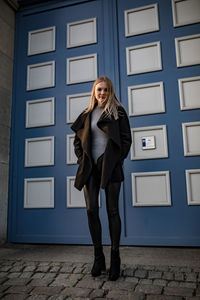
x: 102, y: 142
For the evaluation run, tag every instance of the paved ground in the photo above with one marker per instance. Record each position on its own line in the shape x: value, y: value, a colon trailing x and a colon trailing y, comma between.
x: 38, y: 272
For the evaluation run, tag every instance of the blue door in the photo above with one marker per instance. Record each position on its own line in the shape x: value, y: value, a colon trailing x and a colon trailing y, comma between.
x: 158, y: 72
x: 61, y: 48
x: 59, y: 52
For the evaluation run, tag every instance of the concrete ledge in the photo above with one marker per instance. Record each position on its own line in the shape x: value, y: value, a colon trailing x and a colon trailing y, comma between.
x: 159, y: 256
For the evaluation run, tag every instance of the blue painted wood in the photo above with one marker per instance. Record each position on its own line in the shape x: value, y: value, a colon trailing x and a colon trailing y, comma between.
x: 61, y: 224
x: 177, y: 225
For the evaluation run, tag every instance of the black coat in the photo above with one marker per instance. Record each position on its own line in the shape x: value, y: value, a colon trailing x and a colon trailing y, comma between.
x: 118, y: 146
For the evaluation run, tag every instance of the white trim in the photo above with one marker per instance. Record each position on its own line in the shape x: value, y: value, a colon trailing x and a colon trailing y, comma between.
x: 30, y: 33
x: 80, y: 194
x: 69, y: 155
x: 185, y: 138
x: 151, y: 154
x: 32, y: 140
x: 135, y: 10
x: 176, y: 23
x: 147, y: 69
x: 29, y: 102
x: 46, y: 179
x: 91, y: 77
x: 151, y: 174
x: 179, y: 60
x: 69, y: 119
x: 69, y: 200
x: 40, y: 86
x: 181, y: 92
x: 143, y: 86
x: 93, y: 38
x: 189, y: 186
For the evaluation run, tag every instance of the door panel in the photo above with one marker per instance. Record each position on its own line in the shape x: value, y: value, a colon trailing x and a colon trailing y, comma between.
x: 155, y: 197
x: 59, y: 51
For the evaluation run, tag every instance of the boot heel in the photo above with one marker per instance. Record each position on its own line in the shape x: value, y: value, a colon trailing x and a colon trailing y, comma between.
x: 114, y: 271
x: 98, y: 267
x: 99, y: 263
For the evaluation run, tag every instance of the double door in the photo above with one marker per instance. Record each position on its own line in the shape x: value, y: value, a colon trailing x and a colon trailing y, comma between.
x: 60, y: 50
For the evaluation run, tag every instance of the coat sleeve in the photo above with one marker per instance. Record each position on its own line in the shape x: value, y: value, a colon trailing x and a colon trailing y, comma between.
x: 76, y: 126
x: 78, y: 148
x: 125, y: 133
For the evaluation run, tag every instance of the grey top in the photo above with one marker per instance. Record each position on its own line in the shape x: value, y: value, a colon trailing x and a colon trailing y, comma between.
x: 99, y: 138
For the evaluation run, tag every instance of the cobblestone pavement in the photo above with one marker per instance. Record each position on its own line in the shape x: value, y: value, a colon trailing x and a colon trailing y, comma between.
x: 36, y: 280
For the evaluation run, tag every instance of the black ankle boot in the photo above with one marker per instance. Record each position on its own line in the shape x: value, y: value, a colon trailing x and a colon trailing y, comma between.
x: 99, y: 262
x: 115, y: 261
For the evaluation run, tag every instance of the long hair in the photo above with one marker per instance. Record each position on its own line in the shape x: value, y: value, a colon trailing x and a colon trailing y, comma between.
x: 111, y: 107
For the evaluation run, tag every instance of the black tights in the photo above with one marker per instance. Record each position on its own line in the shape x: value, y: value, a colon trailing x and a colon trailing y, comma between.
x: 91, y: 193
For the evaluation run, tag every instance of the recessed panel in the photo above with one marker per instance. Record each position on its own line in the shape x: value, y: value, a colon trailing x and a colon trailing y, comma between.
x: 185, y: 12
x: 151, y: 189
x: 81, y: 33
x: 39, y: 151
x: 39, y: 193
x: 146, y: 99
x: 41, y: 41
x: 193, y: 186
x: 156, y: 134
x: 188, y: 50
x: 81, y: 69
x: 40, y: 76
x: 75, y: 198
x: 75, y: 105
x: 71, y: 157
x: 40, y: 112
x: 189, y: 91
x: 143, y: 58
x: 141, y: 20
x: 191, y: 138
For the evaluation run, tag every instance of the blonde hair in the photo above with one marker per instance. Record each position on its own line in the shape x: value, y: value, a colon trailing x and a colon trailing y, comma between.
x: 111, y: 107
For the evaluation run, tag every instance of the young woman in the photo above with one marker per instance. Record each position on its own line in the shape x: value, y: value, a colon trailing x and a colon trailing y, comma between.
x: 102, y: 142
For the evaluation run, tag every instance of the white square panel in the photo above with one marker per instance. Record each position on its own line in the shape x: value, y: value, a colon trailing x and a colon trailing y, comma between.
x: 82, y: 69
x: 193, y: 186
x: 75, y: 198
x: 81, y: 33
x: 159, y: 134
x: 189, y: 91
x: 146, y: 99
x: 40, y: 112
x: 40, y: 76
x: 191, y: 138
x: 143, y: 58
x: 39, y: 151
x: 188, y: 50
x: 75, y: 105
x: 39, y: 193
x: 185, y: 12
x: 70, y: 157
x: 151, y: 189
x: 141, y: 20
x: 41, y: 41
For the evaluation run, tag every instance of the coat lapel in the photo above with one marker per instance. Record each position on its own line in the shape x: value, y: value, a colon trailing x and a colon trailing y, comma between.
x: 84, y: 134
x: 110, y: 128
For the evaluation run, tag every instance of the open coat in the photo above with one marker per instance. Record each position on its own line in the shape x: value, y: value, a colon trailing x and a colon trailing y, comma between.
x: 118, y: 146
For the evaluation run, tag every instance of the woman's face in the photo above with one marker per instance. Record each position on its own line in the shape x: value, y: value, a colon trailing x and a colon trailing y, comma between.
x: 101, y: 93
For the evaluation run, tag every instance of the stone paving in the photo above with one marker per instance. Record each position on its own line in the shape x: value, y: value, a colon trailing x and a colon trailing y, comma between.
x: 36, y: 280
